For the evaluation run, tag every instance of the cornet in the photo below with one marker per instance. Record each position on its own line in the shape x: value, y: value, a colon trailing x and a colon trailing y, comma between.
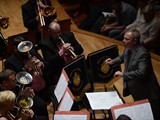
x: 26, y: 46
x: 73, y: 55
x: 24, y: 78
x: 24, y: 102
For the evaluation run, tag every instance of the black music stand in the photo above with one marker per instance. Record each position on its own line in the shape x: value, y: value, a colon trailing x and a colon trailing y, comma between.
x: 100, y: 72
x: 77, y: 74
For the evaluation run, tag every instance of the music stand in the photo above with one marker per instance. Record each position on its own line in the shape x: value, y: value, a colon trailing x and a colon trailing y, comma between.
x: 77, y: 74
x: 100, y: 72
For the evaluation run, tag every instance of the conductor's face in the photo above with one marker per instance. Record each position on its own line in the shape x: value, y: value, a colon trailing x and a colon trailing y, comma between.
x: 128, y: 40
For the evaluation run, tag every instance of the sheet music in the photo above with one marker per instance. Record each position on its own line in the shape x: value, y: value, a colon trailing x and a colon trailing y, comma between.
x: 136, y: 112
x: 67, y: 101
x: 61, y: 87
x: 72, y: 115
x: 103, y: 100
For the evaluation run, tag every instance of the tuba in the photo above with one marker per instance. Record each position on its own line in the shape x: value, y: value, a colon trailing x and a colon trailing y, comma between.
x: 4, y: 23
x: 38, y: 83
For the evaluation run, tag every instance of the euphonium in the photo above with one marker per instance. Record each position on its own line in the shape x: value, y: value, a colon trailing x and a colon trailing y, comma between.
x: 73, y: 55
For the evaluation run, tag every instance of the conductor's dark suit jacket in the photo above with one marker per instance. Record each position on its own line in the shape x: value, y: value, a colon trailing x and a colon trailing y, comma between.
x: 140, y: 77
x: 51, y: 55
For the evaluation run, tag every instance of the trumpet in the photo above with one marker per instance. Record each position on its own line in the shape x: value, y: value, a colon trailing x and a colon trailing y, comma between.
x: 4, y: 23
x: 26, y: 46
x: 73, y: 55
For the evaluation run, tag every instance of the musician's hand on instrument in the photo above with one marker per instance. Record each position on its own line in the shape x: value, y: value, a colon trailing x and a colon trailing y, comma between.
x: 118, y: 74
x: 27, y: 114
x: 109, y: 61
x: 29, y: 92
x: 37, y: 18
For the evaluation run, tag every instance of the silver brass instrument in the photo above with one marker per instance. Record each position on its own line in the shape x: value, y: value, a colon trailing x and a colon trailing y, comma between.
x: 4, y: 23
x: 24, y: 78
x: 26, y: 46
x: 73, y: 55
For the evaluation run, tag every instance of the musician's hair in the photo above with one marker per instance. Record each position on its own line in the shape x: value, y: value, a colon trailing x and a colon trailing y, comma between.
x: 17, y: 40
x: 123, y: 117
x: 7, y: 97
x: 135, y: 34
x: 54, y: 26
x: 4, y: 75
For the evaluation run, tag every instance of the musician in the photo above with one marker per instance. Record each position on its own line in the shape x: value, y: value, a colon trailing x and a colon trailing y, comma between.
x: 8, y: 82
x: 30, y: 14
x: 139, y: 79
x: 56, y: 53
x: 7, y: 102
x: 20, y: 61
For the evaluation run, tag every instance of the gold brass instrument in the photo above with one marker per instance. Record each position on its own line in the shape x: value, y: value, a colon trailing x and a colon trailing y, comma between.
x: 4, y: 23
x: 23, y: 102
x: 40, y: 15
x: 26, y: 46
x: 73, y: 55
x: 48, y: 11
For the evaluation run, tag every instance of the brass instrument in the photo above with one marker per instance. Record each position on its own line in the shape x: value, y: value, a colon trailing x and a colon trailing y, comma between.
x: 46, y: 12
x: 73, y: 55
x: 4, y: 23
x: 24, y: 78
x: 26, y: 46
x: 24, y: 102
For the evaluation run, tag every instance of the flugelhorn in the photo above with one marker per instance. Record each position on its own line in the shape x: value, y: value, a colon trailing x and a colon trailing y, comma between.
x: 26, y: 46
x: 73, y: 55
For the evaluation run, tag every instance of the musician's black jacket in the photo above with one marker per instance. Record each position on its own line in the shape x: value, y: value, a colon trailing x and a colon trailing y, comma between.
x: 51, y: 55
x: 30, y: 12
x: 39, y: 107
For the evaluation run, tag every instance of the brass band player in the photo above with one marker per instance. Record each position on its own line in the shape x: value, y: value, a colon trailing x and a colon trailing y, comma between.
x: 58, y: 53
x: 31, y: 15
x: 20, y: 61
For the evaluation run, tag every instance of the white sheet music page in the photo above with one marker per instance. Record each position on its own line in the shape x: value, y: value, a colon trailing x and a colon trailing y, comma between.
x: 136, y: 112
x: 103, y: 100
x: 61, y: 86
x: 72, y: 115
x: 67, y: 101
